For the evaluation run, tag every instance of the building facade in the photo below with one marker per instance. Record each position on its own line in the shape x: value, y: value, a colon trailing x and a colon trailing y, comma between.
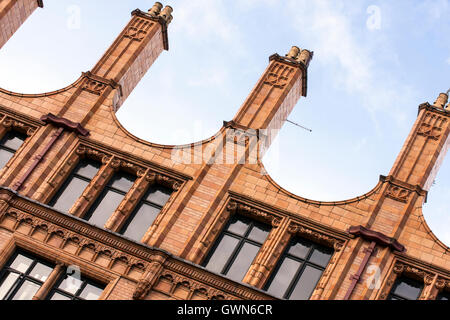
x: 89, y: 211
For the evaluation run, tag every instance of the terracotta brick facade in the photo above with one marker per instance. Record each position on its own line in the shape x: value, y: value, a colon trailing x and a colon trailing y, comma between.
x: 211, y: 181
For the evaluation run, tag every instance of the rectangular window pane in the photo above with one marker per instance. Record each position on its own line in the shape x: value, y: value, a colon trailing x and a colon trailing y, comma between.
x: 243, y: 261
x: 87, y: 169
x: 70, y: 284
x: 104, y: 207
x: 41, y: 272
x: 13, y: 140
x: 27, y: 291
x: 305, y: 286
x: 259, y: 233
x: 5, y: 156
x: 238, y: 225
x: 222, y: 253
x: 141, y: 221
x: 284, y: 276
x: 21, y: 263
x: 158, y: 195
x: 7, y: 284
x: 299, y: 248
x: 407, y: 288
x: 72, y: 191
x: 321, y: 256
x: 91, y: 292
x: 122, y: 181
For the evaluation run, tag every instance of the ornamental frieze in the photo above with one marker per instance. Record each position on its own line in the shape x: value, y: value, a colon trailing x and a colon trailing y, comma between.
x: 18, y: 125
x: 398, y: 193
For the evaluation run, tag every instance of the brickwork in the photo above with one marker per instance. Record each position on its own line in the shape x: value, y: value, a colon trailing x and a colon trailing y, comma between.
x: 210, y: 182
x: 13, y: 13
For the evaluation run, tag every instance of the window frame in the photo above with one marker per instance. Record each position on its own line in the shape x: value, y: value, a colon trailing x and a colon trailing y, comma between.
x: 23, y: 276
x: 69, y: 178
x: 242, y: 240
x: 108, y: 187
x: 143, y: 200
x: 75, y: 296
x: 303, y: 264
x: 400, y: 279
x: 8, y: 149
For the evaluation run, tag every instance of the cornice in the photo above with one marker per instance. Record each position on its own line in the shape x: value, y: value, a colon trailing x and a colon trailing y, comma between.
x: 280, y: 213
x: 137, y: 160
x: 429, y: 107
x: 427, y: 267
x: 140, y: 251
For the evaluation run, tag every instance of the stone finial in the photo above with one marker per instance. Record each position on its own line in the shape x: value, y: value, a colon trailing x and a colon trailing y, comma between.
x: 166, y: 14
x: 156, y: 9
x: 305, y: 56
x: 441, y: 101
x: 293, y: 53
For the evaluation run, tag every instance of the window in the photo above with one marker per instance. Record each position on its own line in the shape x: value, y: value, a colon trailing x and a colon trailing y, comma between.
x: 405, y: 289
x: 74, y: 186
x: 299, y: 270
x: 145, y: 213
x: 9, y: 144
x: 109, y: 199
x: 237, y: 247
x: 71, y: 288
x: 444, y: 295
x: 24, y: 275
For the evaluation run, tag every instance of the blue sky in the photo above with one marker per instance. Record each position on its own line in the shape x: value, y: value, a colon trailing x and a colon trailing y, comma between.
x: 374, y: 63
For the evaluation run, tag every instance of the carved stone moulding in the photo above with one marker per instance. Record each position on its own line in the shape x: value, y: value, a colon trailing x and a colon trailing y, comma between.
x: 21, y: 126
x: 70, y: 237
x: 401, y: 191
x: 295, y: 228
x: 121, y: 164
x: 241, y: 208
x: 96, y: 84
x: 380, y: 238
x: 65, y: 123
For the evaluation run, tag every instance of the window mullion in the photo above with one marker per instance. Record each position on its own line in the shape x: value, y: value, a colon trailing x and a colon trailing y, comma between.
x: 49, y: 283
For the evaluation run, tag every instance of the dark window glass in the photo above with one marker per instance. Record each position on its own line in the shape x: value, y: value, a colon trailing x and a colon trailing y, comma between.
x: 405, y: 289
x: 22, y: 277
x: 445, y: 295
x: 74, y: 186
x: 9, y: 144
x: 237, y: 247
x: 71, y: 288
x: 299, y: 270
x: 145, y: 213
x: 110, y: 198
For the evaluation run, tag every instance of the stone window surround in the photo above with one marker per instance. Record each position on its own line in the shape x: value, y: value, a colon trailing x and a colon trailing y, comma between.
x: 434, y: 281
x: 290, y: 226
x: 112, y: 162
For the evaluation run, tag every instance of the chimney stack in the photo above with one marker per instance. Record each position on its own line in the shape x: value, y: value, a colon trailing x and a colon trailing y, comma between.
x: 304, y: 56
x: 441, y: 101
x: 165, y: 13
x: 156, y: 9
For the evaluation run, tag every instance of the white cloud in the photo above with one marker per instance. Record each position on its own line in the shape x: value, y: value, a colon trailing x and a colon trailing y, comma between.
x: 351, y: 60
x: 448, y: 61
x: 204, y: 20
